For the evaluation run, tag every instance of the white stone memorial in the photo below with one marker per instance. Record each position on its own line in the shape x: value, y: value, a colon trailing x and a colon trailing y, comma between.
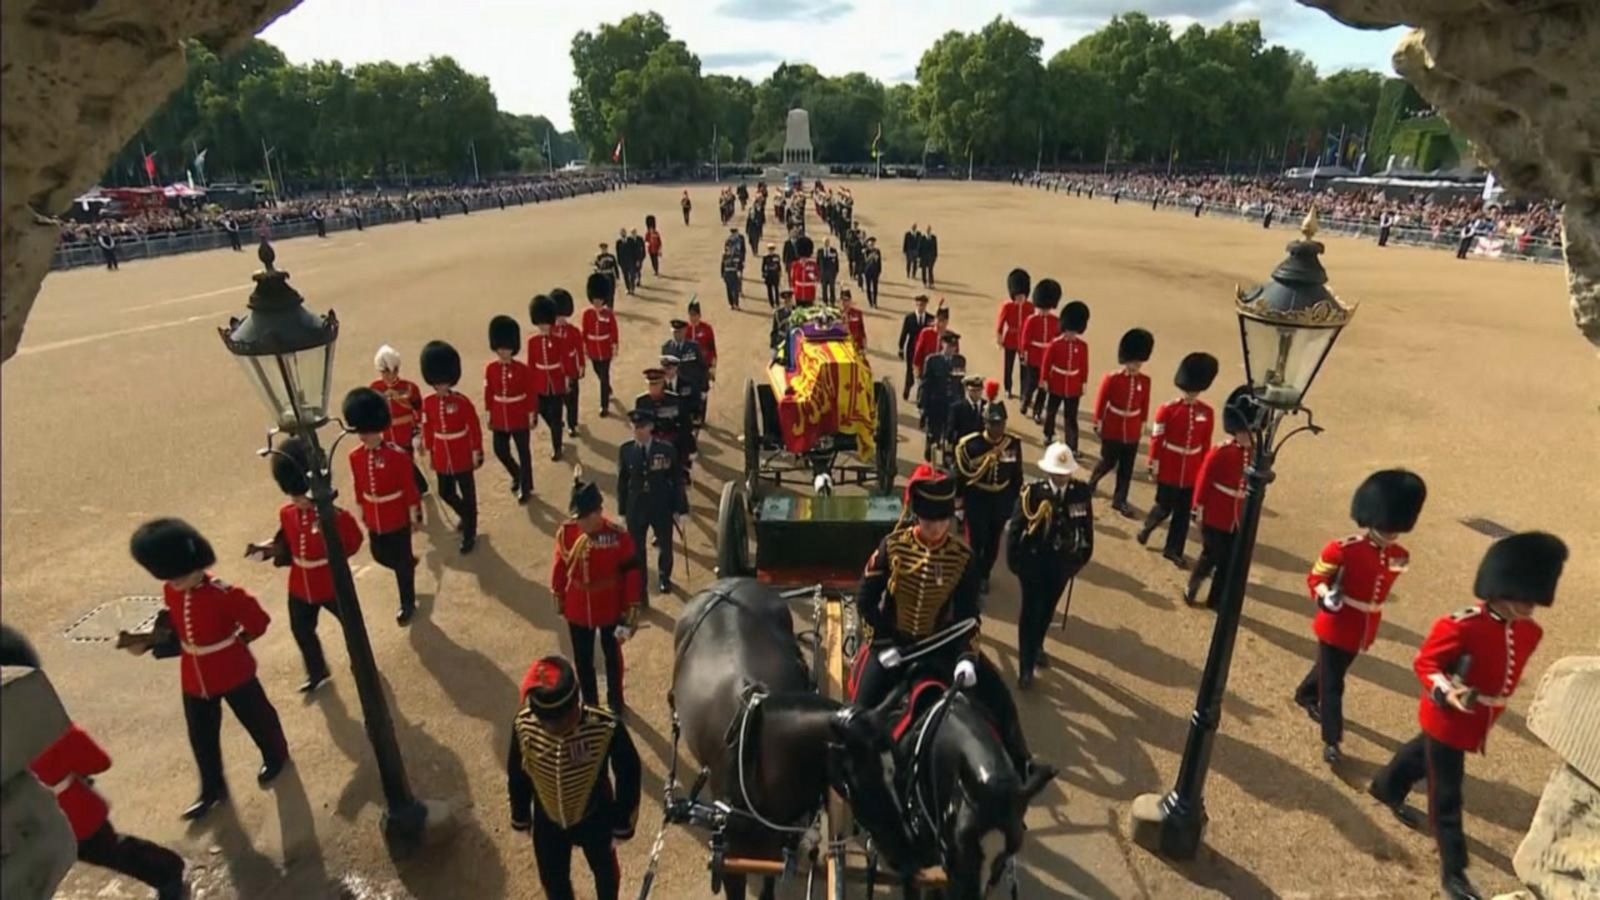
x: 797, y: 140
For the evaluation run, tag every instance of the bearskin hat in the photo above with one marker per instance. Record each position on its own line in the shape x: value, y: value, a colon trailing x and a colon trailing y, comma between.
x: 596, y: 288
x: 1136, y: 346
x: 563, y: 301
x: 1047, y: 293
x: 934, y: 497
x: 1389, y: 500
x: 504, y: 334
x: 1238, y: 412
x: 366, y: 411
x: 1018, y: 282
x: 290, y: 464
x: 15, y: 649
x: 170, y: 548
x: 1075, y: 317
x: 542, y: 311
x: 650, y: 221
x: 1522, y: 567
x: 1196, y: 372
x: 803, y: 246
x: 551, y: 688
x: 586, y: 498
x: 995, y: 412
x: 440, y: 363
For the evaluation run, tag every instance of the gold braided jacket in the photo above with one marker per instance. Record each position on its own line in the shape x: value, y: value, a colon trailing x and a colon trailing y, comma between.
x: 985, y: 466
x: 565, y: 768
x: 922, y: 579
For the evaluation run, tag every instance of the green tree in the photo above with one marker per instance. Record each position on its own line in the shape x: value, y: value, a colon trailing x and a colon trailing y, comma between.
x: 983, y: 93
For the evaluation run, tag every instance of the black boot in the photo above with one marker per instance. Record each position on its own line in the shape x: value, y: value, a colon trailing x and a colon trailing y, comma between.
x: 314, y: 681
x: 1408, y: 817
x: 271, y: 770
x: 1457, y: 886
x: 203, y: 804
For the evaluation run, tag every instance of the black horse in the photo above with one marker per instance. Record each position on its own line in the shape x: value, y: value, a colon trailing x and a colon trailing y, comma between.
x: 745, y: 706
x: 965, y: 798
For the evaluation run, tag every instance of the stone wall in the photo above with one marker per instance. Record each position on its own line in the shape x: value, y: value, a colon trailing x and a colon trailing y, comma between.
x: 81, y: 78
x: 36, y: 844
x: 1519, y: 79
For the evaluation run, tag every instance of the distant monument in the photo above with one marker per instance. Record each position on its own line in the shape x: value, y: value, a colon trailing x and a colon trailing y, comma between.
x: 797, y: 140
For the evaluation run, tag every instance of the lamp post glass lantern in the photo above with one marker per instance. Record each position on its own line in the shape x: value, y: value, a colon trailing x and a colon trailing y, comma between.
x: 287, y: 354
x: 1287, y: 326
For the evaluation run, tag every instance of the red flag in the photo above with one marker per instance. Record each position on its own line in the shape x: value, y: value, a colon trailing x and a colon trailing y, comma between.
x: 150, y: 165
x: 616, y: 154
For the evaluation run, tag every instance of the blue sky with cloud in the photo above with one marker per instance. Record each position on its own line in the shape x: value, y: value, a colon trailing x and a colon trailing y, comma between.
x: 524, y: 47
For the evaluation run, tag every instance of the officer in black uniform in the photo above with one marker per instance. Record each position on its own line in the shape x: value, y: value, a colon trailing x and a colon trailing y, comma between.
x: 966, y: 414
x: 871, y: 270
x: 755, y: 222
x: 791, y: 252
x: 988, y: 467
x: 693, y: 379
x: 606, y: 264
x: 108, y: 248
x: 232, y: 227
x: 771, y: 274
x: 911, y: 326
x: 908, y: 246
x: 920, y: 582
x: 624, y: 257
x: 828, y: 271
x: 852, y: 252
x: 559, y: 774
x: 650, y: 495
x: 941, y: 376
x: 927, y: 255
x: 666, y: 409
x: 1049, y: 540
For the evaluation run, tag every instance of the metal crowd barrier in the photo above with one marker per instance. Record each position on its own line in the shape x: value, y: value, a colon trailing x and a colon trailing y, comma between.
x: 76, y: 255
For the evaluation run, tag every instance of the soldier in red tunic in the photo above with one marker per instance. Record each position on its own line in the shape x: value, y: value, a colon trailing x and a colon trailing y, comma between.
x: 1013, y: 315
x: 929, y: 341
x: 1219, y: 500
x: 67, y: 767
x: 1120, y: 408
x: 600, y: 337
x: 405, y: 405
x: 803, y: 275
x: 452, y: 438
x: 597, y: 584
x: 568, y: 337
x: 701, y: 333
x: 508, y: 400
x: 391, y: 505
x: 298, y: 545
x: 1350, y: 582
x: 547, y: 359
x: 1182, y: 432
x: 1065, y: 372
x: 854, y: 319
x: 1037, y: 333
x: 209, y: 625
x: 1469, y: 666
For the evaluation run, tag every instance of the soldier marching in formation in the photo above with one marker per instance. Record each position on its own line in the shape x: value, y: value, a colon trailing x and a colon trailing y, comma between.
x: 391, y: 504
x: 1219, y: 499
x: 548, y: 361
x: 666, y: 408
x: 606, y: 264
x: 910, y: 329
x: 871, y: 270
x: 771, y: 274
x: 1470, y: 665
x: 299, y: 546
x: 828, y: 271
x: 701, y: 334
x: 405, y: 405
x: 693, y: 375
x: 568, y: 339
x: 940, y: 385
x: 508, y: 400
x: 988, y: 468
x: 1065, y: 372
x: 650, y: 496
x: 908, y: 246
x: 597, y: 583
x: 600, y: 337
x: 1014, y: 312
x: 966, y: 414
x: 573, y: 777
x: 1350, y: 582
x: 208, y: 624
x: 1181, y: 433
x: 1120, y: 408
x: 1049, y: 540
x: 1039, y: 329
x: 452, y: 438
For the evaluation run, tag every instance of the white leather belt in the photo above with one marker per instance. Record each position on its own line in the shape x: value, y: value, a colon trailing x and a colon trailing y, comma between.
x: 61, y: 786
x: 1363, y: 605
x: 1187, y: 451
x: 451, y: 435
x: 501, y: 398
x: 310, y: 563
x: 1038, y: 343
x: 208, y: 649
x: 1068, y: 371
x: 1493, y: 702
x: 383, y: 498
x: 1235, y: 493
x: 548, y: 366
x: 1122, y: 412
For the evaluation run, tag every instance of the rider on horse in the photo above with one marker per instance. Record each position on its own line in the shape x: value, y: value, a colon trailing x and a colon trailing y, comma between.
x: 919, y: 594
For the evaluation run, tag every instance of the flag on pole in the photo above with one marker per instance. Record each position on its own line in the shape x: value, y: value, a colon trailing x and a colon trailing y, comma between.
x: 876, y: 139
x: 150, y: 166
x: 616, y: 154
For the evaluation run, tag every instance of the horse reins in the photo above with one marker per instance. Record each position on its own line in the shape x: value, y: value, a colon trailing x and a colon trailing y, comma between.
x: 744, y: 792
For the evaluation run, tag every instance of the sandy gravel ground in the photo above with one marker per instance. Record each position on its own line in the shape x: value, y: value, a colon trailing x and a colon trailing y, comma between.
x: 122, y: 405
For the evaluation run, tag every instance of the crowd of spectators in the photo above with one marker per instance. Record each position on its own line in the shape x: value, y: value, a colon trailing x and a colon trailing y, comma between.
x: 380, y: 204
x: 1440, y: 215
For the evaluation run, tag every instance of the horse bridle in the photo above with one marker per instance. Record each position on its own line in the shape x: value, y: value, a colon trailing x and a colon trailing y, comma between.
x: 753, y: 698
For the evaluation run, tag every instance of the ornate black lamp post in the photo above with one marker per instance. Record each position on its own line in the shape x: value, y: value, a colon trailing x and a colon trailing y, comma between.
x: 1286, y: 326
x: 287, y: 353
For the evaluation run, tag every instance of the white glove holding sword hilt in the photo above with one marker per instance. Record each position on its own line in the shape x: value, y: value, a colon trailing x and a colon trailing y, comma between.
x: 966, y: 674
x: 1329, y: 598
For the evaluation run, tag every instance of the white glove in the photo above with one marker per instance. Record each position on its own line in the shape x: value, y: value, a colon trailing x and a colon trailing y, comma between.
x: 966, y: 674
x: 890, y: 658
x: 623, y: 633
x: 1329, y: 599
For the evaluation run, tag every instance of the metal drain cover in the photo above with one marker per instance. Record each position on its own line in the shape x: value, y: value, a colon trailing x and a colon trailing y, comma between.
x: 136, y: 614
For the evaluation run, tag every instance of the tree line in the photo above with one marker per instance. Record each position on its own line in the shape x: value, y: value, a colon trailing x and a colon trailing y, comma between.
x: 1134, y: 90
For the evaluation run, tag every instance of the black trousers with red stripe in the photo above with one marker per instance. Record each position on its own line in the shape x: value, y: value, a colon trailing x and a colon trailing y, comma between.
x: 1324, y: 687
x: 203, y: 716
x: 552, y: 851
x: 1444, y: 767
x: 583, y: 661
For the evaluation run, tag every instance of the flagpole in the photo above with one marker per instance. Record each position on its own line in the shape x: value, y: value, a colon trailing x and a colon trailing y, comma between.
x: 549, y: 154
x: 716, y: 156
x: 195, y: 148
x: 472, y: 145
x: 144, y: 163
x: 266, y: 158
x: 1338, y: 157
x: 1038, y: 160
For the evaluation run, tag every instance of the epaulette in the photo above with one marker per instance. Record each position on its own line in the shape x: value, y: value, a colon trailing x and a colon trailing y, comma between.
x: 600, y: 714
x: 1356, y: 538
x: 1461, y: 615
